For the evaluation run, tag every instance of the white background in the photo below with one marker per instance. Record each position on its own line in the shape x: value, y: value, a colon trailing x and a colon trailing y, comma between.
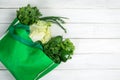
x: 94, y: 28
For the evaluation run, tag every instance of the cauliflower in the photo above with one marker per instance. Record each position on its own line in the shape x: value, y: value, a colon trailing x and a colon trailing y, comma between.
x: 40, y: 31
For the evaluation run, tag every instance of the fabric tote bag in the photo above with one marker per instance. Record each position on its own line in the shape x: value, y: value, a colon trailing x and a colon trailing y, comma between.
x: 24, y: 58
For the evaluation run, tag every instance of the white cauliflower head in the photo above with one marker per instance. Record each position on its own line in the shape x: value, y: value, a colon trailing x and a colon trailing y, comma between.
x: 40, y: 31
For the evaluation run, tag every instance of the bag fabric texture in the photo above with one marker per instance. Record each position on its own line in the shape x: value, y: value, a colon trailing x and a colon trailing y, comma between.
x: 24, y: 58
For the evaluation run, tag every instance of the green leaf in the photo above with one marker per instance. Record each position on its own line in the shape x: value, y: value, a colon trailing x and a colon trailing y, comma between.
x: 28, y: 15
x: 59, y: 50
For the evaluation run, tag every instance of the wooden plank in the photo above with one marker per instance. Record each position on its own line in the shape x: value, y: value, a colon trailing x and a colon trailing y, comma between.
x: 96, y: 45
x: 92, y: 62
x: 53, y: 3
x: 83, y: 75
x: 88, y: 31
x: 6, y: 75
x: 3, y: 28
x: 85, y: 31
x: 89, y: 62
x: 74, y: 15
x: 67, y: 4
x: 73, y: 75
x: 115, y: 4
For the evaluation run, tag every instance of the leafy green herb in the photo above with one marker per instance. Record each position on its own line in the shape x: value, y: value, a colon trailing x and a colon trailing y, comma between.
x: 28, y: 15
x: 58, y: 49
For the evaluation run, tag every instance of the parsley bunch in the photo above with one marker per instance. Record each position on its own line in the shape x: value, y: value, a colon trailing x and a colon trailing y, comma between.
x: 59, y: 50
x: 28, y: 15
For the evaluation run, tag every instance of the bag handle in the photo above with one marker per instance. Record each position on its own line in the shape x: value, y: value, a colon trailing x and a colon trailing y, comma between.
x: 14, y: 25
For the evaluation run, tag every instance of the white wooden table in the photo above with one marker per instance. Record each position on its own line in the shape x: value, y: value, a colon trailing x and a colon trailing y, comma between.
x: 93, y: 26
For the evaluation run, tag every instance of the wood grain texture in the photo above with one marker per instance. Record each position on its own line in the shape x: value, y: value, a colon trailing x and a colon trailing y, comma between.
x: 84, y: 75
x: 6, y: 75
x: 89, y: 31
x: 113, y: 4
x: 54, y: 3
x: 74, y: 75
x: 83, y: 4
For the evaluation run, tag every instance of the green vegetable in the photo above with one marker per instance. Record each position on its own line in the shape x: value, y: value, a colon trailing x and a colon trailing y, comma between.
x: 40, y: 31
x: 55, y: 20
x: 59, y: 50
x: 28, y: 15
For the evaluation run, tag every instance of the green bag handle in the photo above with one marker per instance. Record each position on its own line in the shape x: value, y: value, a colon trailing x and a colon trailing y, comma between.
x: 14, y: 25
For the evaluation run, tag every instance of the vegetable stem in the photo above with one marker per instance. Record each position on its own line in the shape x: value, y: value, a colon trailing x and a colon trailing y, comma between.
x: 56, y: 20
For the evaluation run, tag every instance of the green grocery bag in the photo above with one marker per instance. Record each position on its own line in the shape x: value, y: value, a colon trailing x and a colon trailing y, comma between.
x: 24, y: 58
